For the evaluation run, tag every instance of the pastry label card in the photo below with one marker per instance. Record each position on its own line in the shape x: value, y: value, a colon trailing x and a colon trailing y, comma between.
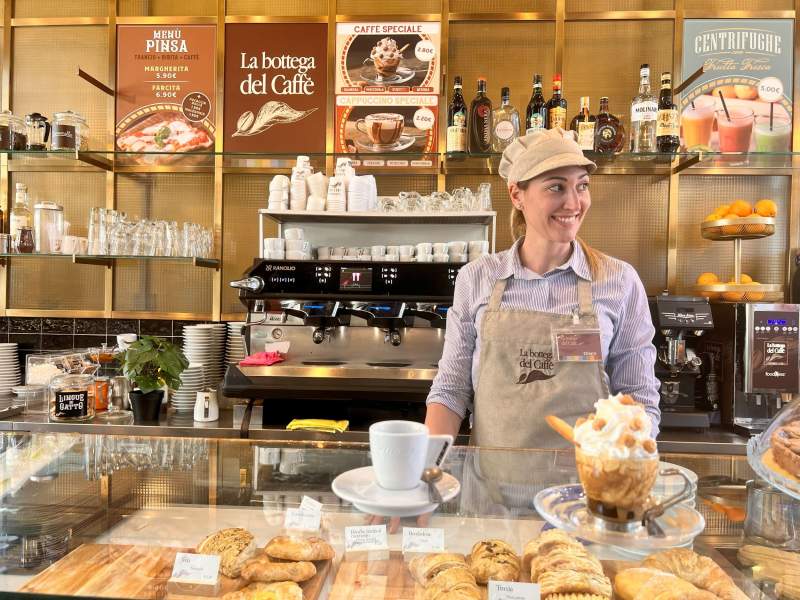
x: 422, y: 539
x: 366, y: 537
x: 388, y: 58
x: 196, y: 568
x: 301, y: 519
x: 508, y: 590
x: 308, y: 504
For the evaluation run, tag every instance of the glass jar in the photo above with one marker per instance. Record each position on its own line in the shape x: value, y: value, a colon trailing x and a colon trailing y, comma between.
x: 26, y: 243
x: 33, y: 396
x: 72, y: 398
x: 12, y: 132
x: 70, y: 131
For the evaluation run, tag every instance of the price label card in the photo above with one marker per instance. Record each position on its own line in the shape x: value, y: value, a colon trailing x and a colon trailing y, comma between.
x: 419, y: 539
x: 508, y: 590
x: 297, y: 518
x: 365, y: 537
x: 308, y: 504
x: 196, y: 568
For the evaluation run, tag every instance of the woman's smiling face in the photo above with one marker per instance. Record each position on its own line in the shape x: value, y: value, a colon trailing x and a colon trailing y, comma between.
x: 554, y: 203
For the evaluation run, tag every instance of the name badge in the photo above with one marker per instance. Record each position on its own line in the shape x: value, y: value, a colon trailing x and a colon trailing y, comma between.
x: 365, y: 537
x: 577, y: 344
x: 509, y: 590
x: 420, y: 539
x: 196, y: 568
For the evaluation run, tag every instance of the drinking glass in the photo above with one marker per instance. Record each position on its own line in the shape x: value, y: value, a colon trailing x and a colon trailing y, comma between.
x: 485, y: 196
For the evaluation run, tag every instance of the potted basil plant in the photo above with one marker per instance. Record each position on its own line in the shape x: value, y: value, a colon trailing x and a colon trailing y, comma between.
x: 150, y: 363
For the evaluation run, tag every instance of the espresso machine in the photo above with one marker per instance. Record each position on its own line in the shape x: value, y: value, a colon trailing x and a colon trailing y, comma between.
x: 362, y: 341
x: 686, y: 378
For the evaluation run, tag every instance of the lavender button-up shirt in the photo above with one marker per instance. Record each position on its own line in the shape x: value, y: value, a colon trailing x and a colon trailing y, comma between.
x: 619, y: 299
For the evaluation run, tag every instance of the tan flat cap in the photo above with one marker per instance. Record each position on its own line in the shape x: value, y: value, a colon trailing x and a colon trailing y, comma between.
x: 542, y: 151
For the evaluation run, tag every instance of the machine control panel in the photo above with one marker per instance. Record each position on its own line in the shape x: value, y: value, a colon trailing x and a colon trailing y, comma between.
x: 341, y: 279
x: 774, y: 340
x: 680, y: 312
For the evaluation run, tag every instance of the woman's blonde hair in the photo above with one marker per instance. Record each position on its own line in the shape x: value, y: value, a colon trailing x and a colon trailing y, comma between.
x: 594, y: 257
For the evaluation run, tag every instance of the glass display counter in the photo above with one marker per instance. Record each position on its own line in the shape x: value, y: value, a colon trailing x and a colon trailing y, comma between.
x: 101, y: 515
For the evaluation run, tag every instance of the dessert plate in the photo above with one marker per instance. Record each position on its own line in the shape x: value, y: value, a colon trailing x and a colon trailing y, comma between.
x: 405, y: 141
x: 564, y: 507
x: 370, y: 74
x: 361, y: 489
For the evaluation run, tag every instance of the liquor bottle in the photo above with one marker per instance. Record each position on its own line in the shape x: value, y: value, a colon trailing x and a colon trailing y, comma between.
x: 20, y: 215
x: 667, y: 126
x: 535, y: 114
x: 644, y: 113
x: 556, y: 106
x: 583, y: 124
x: 457, y: 120
x: 480, y: 121
x: 505, y: 122
x: 609, y: 134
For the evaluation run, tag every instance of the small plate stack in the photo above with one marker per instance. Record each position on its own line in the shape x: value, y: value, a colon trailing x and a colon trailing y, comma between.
x: 234, y: 347
x: 9, y: 368
x: 192, y: 381
x: 205, y: 345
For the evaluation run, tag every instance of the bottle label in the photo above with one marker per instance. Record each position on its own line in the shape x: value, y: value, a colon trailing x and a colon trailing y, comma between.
x: 535, y: 122
x: 504, y: 130
x: 558, y: 117
x: 586, y: 135
x: 71, y: 404
x: 644, y: 111
x: 457, y: 138
x: 667, y: 124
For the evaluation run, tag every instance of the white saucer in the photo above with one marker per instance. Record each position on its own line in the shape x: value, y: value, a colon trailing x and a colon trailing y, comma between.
x: 360, y: 488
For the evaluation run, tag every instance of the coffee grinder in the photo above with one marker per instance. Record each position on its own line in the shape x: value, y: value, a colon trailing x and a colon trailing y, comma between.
x: 680, y: 318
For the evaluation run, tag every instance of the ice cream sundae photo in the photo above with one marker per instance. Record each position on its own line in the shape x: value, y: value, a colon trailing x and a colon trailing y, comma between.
x: 386, y: 57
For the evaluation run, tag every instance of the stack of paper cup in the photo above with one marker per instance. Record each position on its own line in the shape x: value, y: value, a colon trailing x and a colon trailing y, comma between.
x: 278, y: 193
x: 457, y: 251
x: 477, y: 248
x: 317, y: 191
x: 424, y: 252
x: 337, y: 194
x: 274, y: 248
x: 358, y: 194
x: 372, y: 198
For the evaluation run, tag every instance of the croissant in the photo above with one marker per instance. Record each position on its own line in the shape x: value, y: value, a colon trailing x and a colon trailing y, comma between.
x: 266, y: 570
x: 495, y: 560
x: 453, y: 584
x: 291, y: 548
x: 650, y: 584
x: 564, y: 560
x: 698, y: 570
x: 549, y: 541
x: 284, y: 590
x: 425, y: 568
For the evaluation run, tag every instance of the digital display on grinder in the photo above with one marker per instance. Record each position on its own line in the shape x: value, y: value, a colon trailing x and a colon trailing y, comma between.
x: 355, y: 279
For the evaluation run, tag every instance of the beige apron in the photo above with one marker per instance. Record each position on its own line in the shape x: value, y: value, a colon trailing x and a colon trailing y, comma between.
x: 520, y: 383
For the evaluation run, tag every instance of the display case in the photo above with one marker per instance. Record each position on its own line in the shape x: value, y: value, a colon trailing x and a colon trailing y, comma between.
x: 103, y: 515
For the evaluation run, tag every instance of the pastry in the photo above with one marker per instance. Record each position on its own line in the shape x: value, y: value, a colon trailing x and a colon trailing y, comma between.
x: 234, y: 546
x: 456, y: 583
x: 575, y: 597
x: 425, y: 568
x: 284, y: 590
x: 617, y: 458
x: 561, y: 582
x: 292, y: 548
x: 386, y: 57
x: 495, y: 560
x: 700, y: 571
x: 642, y: 583
x: 264, y: 569
x: 785, y: 443
x: 548, y: 541
x: 561, y: 560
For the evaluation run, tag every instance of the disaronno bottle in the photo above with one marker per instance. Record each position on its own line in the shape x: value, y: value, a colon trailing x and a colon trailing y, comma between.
x: 583, y: 124
x: 72, y: 398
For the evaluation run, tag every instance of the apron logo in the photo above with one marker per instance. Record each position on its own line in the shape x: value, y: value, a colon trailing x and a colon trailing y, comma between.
x: 535, y: 366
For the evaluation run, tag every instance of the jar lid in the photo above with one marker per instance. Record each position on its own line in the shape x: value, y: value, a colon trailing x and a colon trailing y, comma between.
x: 47, y: 205
x: 68, y: 114
x: 35, y: 117
x: 71, y: 379
x: 24, y: 390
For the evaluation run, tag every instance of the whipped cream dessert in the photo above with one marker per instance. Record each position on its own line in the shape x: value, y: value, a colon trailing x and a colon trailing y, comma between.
x: 386, y: 54
x: 619, y: 429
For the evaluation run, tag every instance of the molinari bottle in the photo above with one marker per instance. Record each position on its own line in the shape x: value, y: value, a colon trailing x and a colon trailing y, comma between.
x: 457, y: 120
x: 667, y: 125
x: 583, y: 124
x: 609, y: 135
x: 505, y: 123
x: 480, y: 121
x: 644, y: 112
x: 556, y: 106
x: 535, y: 114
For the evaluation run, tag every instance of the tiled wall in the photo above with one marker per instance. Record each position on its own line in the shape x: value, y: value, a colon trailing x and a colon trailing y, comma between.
x: 36, y: 334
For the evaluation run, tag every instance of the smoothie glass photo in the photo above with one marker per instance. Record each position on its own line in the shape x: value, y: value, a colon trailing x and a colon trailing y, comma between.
x: 697, y: 123
x: 735, y: 129
x: 777, y: 138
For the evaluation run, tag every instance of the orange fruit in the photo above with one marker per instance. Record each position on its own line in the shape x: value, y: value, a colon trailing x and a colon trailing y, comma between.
x: 729, y: 91
x: 707, y: 279
x: 740, y: 208
x: 733, y: 296
x: 766, y: 208
x: 745, y: 92
x: 723, y: 209
x: 755, y: 296
x: 711, y: 217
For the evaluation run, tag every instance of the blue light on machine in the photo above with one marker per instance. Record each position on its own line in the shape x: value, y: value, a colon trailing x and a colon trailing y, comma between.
x: 382, y: 308
x: 776, y: 321
x: 313, y: 306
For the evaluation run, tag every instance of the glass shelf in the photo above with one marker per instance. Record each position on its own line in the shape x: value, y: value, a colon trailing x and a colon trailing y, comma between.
x: 309, y: 216
x: 108, y: 260
x: 623, y: 163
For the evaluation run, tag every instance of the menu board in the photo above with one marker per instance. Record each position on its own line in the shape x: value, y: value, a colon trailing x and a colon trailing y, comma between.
x: 166, y: 77
x: 748, y: 62
x: 275, y: 87
x: 387, y: 90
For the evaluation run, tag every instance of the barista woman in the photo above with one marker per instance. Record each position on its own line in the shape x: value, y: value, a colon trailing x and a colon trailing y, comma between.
x: 524, y: 321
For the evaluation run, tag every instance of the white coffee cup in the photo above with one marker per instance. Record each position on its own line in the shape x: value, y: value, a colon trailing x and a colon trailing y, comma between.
x: 296, y: 255
x: 457, y: 247
x: 301, y: 245
x: 378, y: 250
x: 323, y: 252
x: 352, y: 252
x: 294, y: 233
x: 365, y: 258
x: 340, y: 250
x: 81, y: 245
x: 406, y: 258
x: 279, y: 183
x: 439, y: 248
x: 402, y: 450
x: 441, y: 258
x: 479, y: 247
x: 424, y: 258
x: 458, y: 258
x: 424, y: 248
x: 473, y: 257
x: 406, y: 250
x: 275, y: 255
x: 337, y: 257
x: 391, y: 257
x: 273, y: 244
x: 69, y: 245
x: 392, y: 249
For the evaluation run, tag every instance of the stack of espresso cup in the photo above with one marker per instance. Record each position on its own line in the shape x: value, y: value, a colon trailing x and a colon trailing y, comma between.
x: 477, y: 248
x: 278, y: 193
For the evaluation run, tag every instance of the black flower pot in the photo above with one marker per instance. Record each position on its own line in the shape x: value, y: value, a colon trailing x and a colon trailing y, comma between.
x: 146, y: 407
